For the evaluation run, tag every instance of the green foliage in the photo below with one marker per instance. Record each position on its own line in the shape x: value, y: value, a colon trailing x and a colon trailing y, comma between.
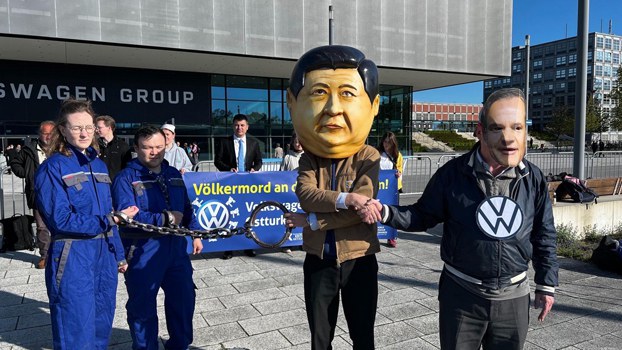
x: 451, y: 139
x: 562, y: 122
x: 417, y: 148
x: 595, y: 119
x: 581, y: 249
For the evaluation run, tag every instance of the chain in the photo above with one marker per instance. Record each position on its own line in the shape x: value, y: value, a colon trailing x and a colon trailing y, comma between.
x: 220, y: 232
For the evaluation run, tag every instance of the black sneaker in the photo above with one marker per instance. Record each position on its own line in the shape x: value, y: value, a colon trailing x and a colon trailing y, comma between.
x: 227, y: 255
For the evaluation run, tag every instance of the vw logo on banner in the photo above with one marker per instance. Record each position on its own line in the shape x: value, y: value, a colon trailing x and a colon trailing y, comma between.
x: 213, y: 215
x: 499, y: 217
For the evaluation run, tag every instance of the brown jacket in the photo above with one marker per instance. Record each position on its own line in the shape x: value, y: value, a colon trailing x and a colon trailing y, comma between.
x: 357, y: 173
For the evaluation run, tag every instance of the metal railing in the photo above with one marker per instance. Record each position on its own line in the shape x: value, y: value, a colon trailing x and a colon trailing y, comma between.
x: 418, y: 169
x: 12, y: 194
x: 270, y: 164
x: 416, y: 173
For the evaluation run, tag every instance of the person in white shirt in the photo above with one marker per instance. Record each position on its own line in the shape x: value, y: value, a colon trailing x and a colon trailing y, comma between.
x: 174, y: 155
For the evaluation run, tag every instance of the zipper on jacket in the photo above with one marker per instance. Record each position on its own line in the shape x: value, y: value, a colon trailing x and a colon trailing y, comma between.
x: 95, y: 188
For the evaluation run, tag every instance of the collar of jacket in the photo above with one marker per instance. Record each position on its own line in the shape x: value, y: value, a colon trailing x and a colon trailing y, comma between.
x: 83, y: 158
x: 138, y: 166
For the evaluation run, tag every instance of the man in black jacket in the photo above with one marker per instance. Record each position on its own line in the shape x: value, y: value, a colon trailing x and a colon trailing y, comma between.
x: 24, y: 165
x: 112, y: 150
x: 497, y: 217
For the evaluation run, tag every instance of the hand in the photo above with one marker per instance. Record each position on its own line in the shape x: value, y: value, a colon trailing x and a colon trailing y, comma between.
x: 371, y: 212
x: 122, y: 268
x: 130, y: 211
x: 356, y: 201
x: 182, y: 171
x: 545, y: 302
x: 179, y: 216
x: 295, y: 220
x: 197, y: 246
x: 252, y: 170
x: 398, y: 173
x: 234, y: 170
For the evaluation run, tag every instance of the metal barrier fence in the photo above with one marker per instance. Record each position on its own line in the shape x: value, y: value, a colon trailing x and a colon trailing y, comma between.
x: 271, y: 164
x: 416, y: 173
x: 12, y: 196
x: 598, y: 165
x: 418, y: 170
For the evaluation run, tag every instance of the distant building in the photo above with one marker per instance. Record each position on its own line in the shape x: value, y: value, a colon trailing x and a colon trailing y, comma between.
x: 553, y: 74
x: 444, y: 116
x: 198, y: 63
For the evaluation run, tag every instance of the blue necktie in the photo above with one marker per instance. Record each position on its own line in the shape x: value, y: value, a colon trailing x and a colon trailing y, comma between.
x: 241, y: 152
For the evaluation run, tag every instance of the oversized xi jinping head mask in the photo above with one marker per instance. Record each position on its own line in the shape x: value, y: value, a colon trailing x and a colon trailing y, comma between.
x: 333, y: 99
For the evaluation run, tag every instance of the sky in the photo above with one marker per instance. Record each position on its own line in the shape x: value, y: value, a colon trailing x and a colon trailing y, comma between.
x: 544, y: 21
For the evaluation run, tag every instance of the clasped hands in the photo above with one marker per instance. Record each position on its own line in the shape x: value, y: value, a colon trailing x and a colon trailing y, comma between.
x: 368, y: 209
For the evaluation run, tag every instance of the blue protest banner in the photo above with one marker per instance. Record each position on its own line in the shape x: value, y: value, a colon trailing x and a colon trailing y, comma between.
x: 226, y: 199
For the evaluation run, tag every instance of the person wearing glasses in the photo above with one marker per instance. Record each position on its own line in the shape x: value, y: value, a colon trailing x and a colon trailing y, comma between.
x: 73, y: 197
x: 112, y: 150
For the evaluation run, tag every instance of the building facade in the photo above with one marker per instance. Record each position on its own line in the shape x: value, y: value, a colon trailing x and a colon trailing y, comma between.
x: 199, y: 62
x: 445, y: 116
x: 553, y: 74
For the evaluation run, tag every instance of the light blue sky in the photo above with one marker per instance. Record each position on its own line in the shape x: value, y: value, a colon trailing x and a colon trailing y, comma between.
x: 544, y: 20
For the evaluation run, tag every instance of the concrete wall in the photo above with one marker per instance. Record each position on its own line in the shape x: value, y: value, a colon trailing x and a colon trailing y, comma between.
x: 446, y: 35
x: 604, y: 216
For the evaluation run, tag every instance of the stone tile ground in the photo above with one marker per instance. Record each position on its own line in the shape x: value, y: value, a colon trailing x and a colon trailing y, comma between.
x: 257, y: 303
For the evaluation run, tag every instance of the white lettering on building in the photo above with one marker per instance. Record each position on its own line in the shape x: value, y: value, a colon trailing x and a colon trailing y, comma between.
x: 80, y: 92
x: 155, y: 96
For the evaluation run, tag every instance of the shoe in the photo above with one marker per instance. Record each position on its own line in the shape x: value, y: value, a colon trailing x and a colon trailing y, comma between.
x: 227, y: 255
x: 250, y: 252
x: 392, y: 243
x: 41, y: 264
x: 287, y: 251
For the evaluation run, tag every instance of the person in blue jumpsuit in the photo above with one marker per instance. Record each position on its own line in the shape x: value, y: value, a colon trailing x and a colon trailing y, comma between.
x: 73, y: 194
x: 157, y: 261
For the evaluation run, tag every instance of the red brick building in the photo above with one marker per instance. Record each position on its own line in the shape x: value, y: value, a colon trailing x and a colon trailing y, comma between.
x: 444, y: 116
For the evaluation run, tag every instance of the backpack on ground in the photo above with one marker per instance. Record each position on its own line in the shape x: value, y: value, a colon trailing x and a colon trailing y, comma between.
x: 575, y: 189
x: 608, y: 255
x: 18, y: 233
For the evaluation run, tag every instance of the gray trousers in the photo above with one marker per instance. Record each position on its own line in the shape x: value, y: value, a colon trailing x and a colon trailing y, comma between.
x: 467, y: 321
x: 43, y: 234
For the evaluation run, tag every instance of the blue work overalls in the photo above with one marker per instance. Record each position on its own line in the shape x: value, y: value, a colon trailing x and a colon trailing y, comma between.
x: 73, y: 197
x: 156, y: 261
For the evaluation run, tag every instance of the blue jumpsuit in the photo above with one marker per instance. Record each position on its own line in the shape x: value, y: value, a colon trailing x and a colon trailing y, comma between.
x: 156, y: 261
x: 73, y: 196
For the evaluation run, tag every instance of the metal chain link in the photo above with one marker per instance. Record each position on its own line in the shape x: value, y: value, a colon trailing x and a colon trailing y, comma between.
x: 220, y: 232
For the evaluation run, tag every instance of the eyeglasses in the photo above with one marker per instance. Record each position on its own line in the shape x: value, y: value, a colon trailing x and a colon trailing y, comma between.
x: 78, y: 129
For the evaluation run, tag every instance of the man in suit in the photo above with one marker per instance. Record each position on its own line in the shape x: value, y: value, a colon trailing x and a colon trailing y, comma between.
x: 238, y: 153
x: 228, y: 156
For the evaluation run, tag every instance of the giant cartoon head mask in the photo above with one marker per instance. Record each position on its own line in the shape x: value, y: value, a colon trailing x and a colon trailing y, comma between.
x: 333, y: 99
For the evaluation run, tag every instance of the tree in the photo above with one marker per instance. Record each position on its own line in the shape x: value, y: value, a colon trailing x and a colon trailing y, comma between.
x: 595, y: 119
x: 562, y: 122
x: 616, y: 97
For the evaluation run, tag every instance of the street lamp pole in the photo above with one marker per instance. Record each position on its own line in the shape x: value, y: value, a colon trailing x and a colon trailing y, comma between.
x: 527, y: 76
x: 331, y: 26
x: 580, y: 102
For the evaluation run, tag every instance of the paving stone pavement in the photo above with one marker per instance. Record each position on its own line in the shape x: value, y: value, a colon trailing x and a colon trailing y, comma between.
x: 257, y: 303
